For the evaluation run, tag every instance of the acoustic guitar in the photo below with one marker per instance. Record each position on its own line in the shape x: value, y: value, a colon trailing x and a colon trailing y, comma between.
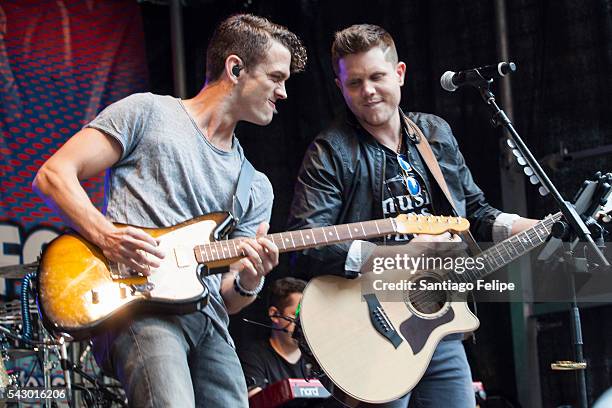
x: 373, y: 351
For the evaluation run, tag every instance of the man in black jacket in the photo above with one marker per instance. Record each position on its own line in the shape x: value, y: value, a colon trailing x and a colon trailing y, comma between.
x: 366, y: 166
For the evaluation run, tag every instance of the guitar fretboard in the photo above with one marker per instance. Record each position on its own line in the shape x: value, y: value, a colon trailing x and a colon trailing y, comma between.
x: 507, y: 251
x: 301, y: 239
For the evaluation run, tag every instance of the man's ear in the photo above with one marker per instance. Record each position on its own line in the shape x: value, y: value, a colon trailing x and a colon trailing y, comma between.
x: 400, y: 69
x: 231, y: 62
x: 272, y: 311
x: 338, y: 83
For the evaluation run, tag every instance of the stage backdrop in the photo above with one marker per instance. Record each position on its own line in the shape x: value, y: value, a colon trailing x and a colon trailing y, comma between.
x: 60, y: 63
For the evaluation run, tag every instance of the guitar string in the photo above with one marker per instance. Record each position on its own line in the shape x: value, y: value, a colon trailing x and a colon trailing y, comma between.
x: 532, y: 233
x: 422, y: 296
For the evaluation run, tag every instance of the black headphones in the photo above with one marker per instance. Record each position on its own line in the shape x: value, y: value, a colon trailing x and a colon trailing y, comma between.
x: 236, y: 70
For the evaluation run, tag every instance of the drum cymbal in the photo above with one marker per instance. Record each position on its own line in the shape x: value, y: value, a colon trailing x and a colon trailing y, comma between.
x: 17, y: 271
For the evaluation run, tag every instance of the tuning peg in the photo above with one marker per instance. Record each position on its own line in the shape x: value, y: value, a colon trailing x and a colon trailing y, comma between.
x: 543, y: 191
x: 521, y: 161
x: 534, y: 179
x: 510, y: 143
x: 528, y: 171
x: 517, y: 153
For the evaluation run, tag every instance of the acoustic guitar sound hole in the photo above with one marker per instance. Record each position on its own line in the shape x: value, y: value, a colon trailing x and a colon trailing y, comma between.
x: 428, y: 298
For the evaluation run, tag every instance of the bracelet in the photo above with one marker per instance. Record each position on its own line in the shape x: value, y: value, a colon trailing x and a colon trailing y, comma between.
x: 248, y: 293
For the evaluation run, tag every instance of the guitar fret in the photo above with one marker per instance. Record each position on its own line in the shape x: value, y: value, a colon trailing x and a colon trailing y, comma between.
x: 324, y: 235
x: 505, y: 246
x: 494, y: 259
x: 514, y: 246
x: 489, y: 261
x: 510, y: 250
x: 499, y: 253
x: 308, y: 236
x: 213, y: 251
x: 538, y: 234
x: 518, y: 238
x: 544, y: 233
x: 219, y: 250
x: 235, y: 248
x: 507, y: 251
x: 348, y: 228
x: 208, y: 249
x: 337, y: 235
x: 377, y: 229
x: 292, y: 239
x: 302, y: 236
x: 281, y: 241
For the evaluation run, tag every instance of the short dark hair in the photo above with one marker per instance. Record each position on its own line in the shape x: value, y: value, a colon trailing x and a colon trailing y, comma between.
x: 248, y: 37
x: 279, y: 291
x: 360, y: 38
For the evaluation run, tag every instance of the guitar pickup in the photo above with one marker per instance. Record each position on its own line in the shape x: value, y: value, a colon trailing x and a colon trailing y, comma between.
x: 121, y: 273
x: 380, y: 321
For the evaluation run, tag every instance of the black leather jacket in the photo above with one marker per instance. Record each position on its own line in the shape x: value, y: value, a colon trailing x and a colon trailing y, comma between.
x: 341, y: 181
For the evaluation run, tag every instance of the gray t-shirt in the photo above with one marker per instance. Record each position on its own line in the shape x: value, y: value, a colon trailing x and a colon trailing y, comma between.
x: 169, y: 173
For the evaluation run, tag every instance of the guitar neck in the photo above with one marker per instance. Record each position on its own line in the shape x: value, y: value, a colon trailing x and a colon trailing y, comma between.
x: 229, y: 250
x: 302, y: 239
x: 512, y: 248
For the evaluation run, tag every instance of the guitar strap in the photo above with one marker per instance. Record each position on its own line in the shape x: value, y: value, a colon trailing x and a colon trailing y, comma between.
x: 240, y: 202
x: 243, y: 189
x: 434, y: 168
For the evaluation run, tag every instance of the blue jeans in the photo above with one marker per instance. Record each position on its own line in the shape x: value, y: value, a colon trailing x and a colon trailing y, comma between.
x: 447, y: 381
x: 173, y: 361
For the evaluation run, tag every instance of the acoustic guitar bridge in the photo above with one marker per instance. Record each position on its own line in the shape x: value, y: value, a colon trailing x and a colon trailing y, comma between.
x: 380, y: 321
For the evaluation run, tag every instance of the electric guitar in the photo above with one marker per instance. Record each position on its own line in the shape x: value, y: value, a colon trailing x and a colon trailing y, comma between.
x: 372, y: 351
x: 80, y: 292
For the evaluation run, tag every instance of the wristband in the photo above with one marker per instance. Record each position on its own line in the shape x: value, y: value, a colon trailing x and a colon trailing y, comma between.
x: 248, y: 293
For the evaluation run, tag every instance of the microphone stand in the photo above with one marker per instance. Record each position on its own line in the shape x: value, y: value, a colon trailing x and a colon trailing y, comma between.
x: 570, y: 215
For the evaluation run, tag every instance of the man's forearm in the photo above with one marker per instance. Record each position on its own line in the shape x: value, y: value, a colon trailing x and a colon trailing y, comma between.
x: 234, y: 302
x: 65, y: 195
x: 521, y: 224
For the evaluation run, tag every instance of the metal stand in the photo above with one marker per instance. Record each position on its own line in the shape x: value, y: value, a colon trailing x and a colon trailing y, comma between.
x: 571, y: 217
x: 577, y: 337
x: 575, y: 223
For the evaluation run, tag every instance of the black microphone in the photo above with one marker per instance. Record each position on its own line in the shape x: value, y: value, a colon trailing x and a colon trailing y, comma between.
x: 450, y: 80
x: 267, y: 326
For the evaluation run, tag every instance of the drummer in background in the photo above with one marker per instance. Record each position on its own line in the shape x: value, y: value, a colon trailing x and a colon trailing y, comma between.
x: 278, y: 357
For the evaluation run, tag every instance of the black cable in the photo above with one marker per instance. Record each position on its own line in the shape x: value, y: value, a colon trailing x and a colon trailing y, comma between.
x: 37, y: 361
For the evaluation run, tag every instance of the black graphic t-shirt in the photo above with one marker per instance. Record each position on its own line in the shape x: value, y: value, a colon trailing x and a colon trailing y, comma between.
x: 403, y: 190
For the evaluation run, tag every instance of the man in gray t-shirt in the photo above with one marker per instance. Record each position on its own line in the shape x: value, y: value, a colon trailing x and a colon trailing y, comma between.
x: 167, y: 161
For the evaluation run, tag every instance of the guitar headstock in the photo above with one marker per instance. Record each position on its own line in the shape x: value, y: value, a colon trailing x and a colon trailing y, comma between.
x: 430, y: 224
